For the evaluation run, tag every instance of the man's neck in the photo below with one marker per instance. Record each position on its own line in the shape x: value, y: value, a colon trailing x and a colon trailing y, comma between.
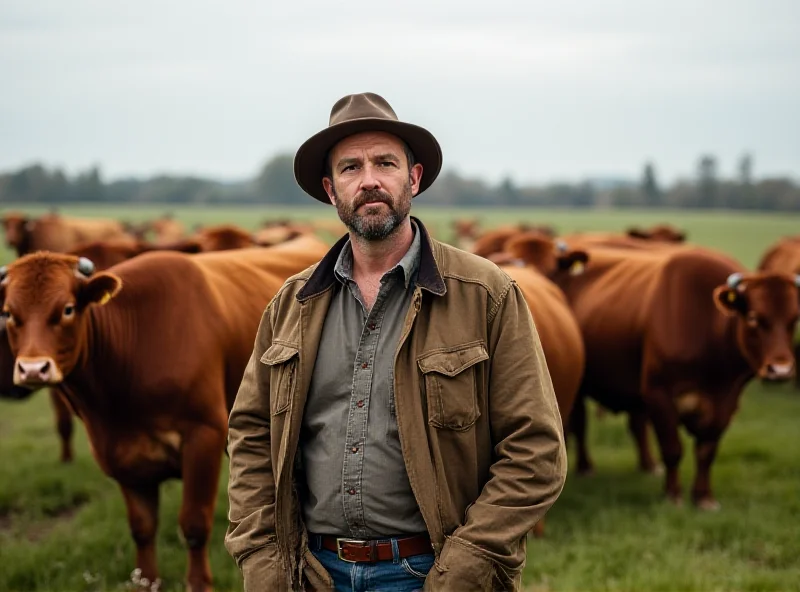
x: 372, y: 258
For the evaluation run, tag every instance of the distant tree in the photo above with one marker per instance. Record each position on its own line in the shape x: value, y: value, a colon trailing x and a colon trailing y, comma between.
x: 507, y: 193
x: 746, y: 170
x: 276, y: 184
x: 650, y: 190
x: 707, y: 182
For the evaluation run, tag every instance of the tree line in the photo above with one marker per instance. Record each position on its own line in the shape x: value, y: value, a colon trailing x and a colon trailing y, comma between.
x: 275, y: 184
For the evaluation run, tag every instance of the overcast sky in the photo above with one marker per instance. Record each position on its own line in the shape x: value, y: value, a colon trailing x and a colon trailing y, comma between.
x: 535, y: 90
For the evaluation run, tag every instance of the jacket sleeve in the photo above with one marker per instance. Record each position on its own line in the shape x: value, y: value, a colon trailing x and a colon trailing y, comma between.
x: 529, y: 469
x: 250, y: 538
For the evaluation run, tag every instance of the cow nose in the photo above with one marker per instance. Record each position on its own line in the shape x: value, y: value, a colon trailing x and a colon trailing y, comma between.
x: 778, y: 371
x: 36, y: 371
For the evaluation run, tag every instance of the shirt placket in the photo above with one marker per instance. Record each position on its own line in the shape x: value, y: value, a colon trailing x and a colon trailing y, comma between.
x: 355, y: 440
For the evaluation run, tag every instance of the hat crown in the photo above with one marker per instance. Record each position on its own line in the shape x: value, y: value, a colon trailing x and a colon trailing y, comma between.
x: 361, y: 106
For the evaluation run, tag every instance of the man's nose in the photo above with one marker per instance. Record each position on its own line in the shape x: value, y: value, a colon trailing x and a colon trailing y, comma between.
x: 369, y: 179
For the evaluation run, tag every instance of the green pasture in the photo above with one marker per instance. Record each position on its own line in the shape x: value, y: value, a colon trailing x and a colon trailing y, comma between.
x: 63, y: 527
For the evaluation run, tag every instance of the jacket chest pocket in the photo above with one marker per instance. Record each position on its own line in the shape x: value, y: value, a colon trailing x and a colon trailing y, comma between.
x: 282, y: 361
x: 451, y: 385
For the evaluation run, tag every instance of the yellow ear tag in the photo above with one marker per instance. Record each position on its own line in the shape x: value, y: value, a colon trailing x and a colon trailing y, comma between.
x: 731, y: 296
x: 576, y: 268
x: 106, y: 297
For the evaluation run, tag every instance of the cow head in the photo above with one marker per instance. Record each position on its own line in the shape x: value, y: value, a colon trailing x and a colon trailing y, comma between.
x: 549, y: 256
x: 765, y: 306
x: 661, y: 233
x: 17, y: 227
x: 45, y: 298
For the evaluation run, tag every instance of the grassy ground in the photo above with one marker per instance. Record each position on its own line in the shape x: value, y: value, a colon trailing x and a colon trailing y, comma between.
x: 63, y: 528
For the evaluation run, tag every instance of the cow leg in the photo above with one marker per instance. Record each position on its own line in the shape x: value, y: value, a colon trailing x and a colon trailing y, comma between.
x: 664, y: 416
x: 202, y: 457
x: 637, y: 424
x: 577, y: 424
x: 142, y: 505
x: 63, y: 424
x: 705, y: 452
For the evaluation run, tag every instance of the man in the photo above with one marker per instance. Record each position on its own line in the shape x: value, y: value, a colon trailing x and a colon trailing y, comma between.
x: 396, y: 427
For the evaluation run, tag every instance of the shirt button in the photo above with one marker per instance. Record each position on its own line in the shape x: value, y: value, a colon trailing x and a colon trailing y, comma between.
x: 364, y: 365
x: 352, y: 492
x: 354, y: 449
x: 360, y: 404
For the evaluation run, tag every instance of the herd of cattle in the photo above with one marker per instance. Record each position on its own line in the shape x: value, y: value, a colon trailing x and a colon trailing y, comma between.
x: 144, y: 332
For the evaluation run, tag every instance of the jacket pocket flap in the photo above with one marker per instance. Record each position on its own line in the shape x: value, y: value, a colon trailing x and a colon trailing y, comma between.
x: 454, y: 360
x: 278, y: 353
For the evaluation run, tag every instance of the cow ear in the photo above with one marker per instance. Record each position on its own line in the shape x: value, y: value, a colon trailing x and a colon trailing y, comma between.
x: 573, y: 261
x: 638, y: 233
x: 99, y: 289
x: 730, y: 301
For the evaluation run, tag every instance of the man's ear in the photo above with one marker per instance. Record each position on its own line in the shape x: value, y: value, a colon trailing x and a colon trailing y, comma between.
x: 327, y: 184
x: 99, y: 289
x: 730, y: 301
x: 415, y: 178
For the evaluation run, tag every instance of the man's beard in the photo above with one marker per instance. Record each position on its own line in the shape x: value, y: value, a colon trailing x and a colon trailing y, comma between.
x: 375, y: 227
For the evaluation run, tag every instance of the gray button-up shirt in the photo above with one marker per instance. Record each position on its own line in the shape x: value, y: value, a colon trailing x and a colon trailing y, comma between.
x: 355, y: 476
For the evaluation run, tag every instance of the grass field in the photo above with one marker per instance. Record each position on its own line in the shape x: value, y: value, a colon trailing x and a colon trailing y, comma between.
x: 63, y: 527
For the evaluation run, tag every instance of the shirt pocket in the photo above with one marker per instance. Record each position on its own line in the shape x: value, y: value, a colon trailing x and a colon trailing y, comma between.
x: 451, y: 385
x: 282, y: 361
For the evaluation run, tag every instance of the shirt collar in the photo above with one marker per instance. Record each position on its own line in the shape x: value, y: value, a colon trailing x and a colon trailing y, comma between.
x: 343, y: 270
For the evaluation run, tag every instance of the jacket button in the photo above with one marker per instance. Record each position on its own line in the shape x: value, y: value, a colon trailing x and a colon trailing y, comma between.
x: 352, y: 492
x: 371, y: 326
x: 354, y: 449
x: 364, y: 365
x: 360, y: 404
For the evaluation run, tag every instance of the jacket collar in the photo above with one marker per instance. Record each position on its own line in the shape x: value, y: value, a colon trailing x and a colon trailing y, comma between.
x: 429, y: 277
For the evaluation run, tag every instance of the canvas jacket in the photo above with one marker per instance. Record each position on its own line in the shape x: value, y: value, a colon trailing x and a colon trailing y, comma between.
x: 478, y: 422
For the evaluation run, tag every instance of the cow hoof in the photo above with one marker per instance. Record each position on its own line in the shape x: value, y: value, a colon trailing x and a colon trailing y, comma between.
x: 675, y: 500
x: 657, y: 470
x: 708, y: 504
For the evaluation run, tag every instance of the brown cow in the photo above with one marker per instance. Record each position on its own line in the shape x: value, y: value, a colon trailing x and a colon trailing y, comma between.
x: 664, y: 233
x: 558, y: 330
x: 103, y: 255
x: 53, y: 232
x: 154, y: 372
x: 784, y: 257
x: 166, y: 230
x: 492, y: 242
x: 223, y: 237
x: 674, y: 336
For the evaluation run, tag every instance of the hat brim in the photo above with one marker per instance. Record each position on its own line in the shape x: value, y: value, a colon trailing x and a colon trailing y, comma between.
x: 309, y: 162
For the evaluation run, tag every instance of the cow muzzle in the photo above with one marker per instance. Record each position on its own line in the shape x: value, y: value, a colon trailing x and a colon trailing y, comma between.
x: 777, y: 372
x: 34, y: 372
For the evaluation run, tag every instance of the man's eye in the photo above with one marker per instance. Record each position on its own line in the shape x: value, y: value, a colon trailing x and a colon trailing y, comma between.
x: 351, y: 167
x: 387, y: 164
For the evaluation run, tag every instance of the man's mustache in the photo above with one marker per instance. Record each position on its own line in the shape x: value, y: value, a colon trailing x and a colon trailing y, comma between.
x: 373, y: 195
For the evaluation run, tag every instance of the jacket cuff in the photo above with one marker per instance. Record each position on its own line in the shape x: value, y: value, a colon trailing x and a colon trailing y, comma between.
x: 262, y: 570
x: 462, y: 567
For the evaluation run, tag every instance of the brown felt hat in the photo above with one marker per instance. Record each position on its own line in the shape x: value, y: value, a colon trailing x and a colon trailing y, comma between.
x: 353, y: 114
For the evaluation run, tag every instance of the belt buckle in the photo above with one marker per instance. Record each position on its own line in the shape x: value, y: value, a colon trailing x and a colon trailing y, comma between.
x: 340, y: 541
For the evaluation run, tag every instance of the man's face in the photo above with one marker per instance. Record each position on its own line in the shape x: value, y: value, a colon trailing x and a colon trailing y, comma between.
x: 372, y: 185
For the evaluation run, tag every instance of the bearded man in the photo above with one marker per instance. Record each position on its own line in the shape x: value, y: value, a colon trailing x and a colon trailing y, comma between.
x: 396, y: 427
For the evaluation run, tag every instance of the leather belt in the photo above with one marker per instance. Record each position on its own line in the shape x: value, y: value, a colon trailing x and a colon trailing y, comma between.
x: 370, y: 551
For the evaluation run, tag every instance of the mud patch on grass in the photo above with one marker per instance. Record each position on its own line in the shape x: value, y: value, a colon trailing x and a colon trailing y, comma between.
x: 36, y: 528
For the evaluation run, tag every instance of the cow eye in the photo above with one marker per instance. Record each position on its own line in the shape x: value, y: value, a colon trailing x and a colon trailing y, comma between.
x: 753, y: 321
x: 8, y: 318
x: 69, y: 311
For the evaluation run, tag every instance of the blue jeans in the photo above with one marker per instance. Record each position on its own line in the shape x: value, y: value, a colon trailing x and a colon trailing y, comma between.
x: 399, y: 575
